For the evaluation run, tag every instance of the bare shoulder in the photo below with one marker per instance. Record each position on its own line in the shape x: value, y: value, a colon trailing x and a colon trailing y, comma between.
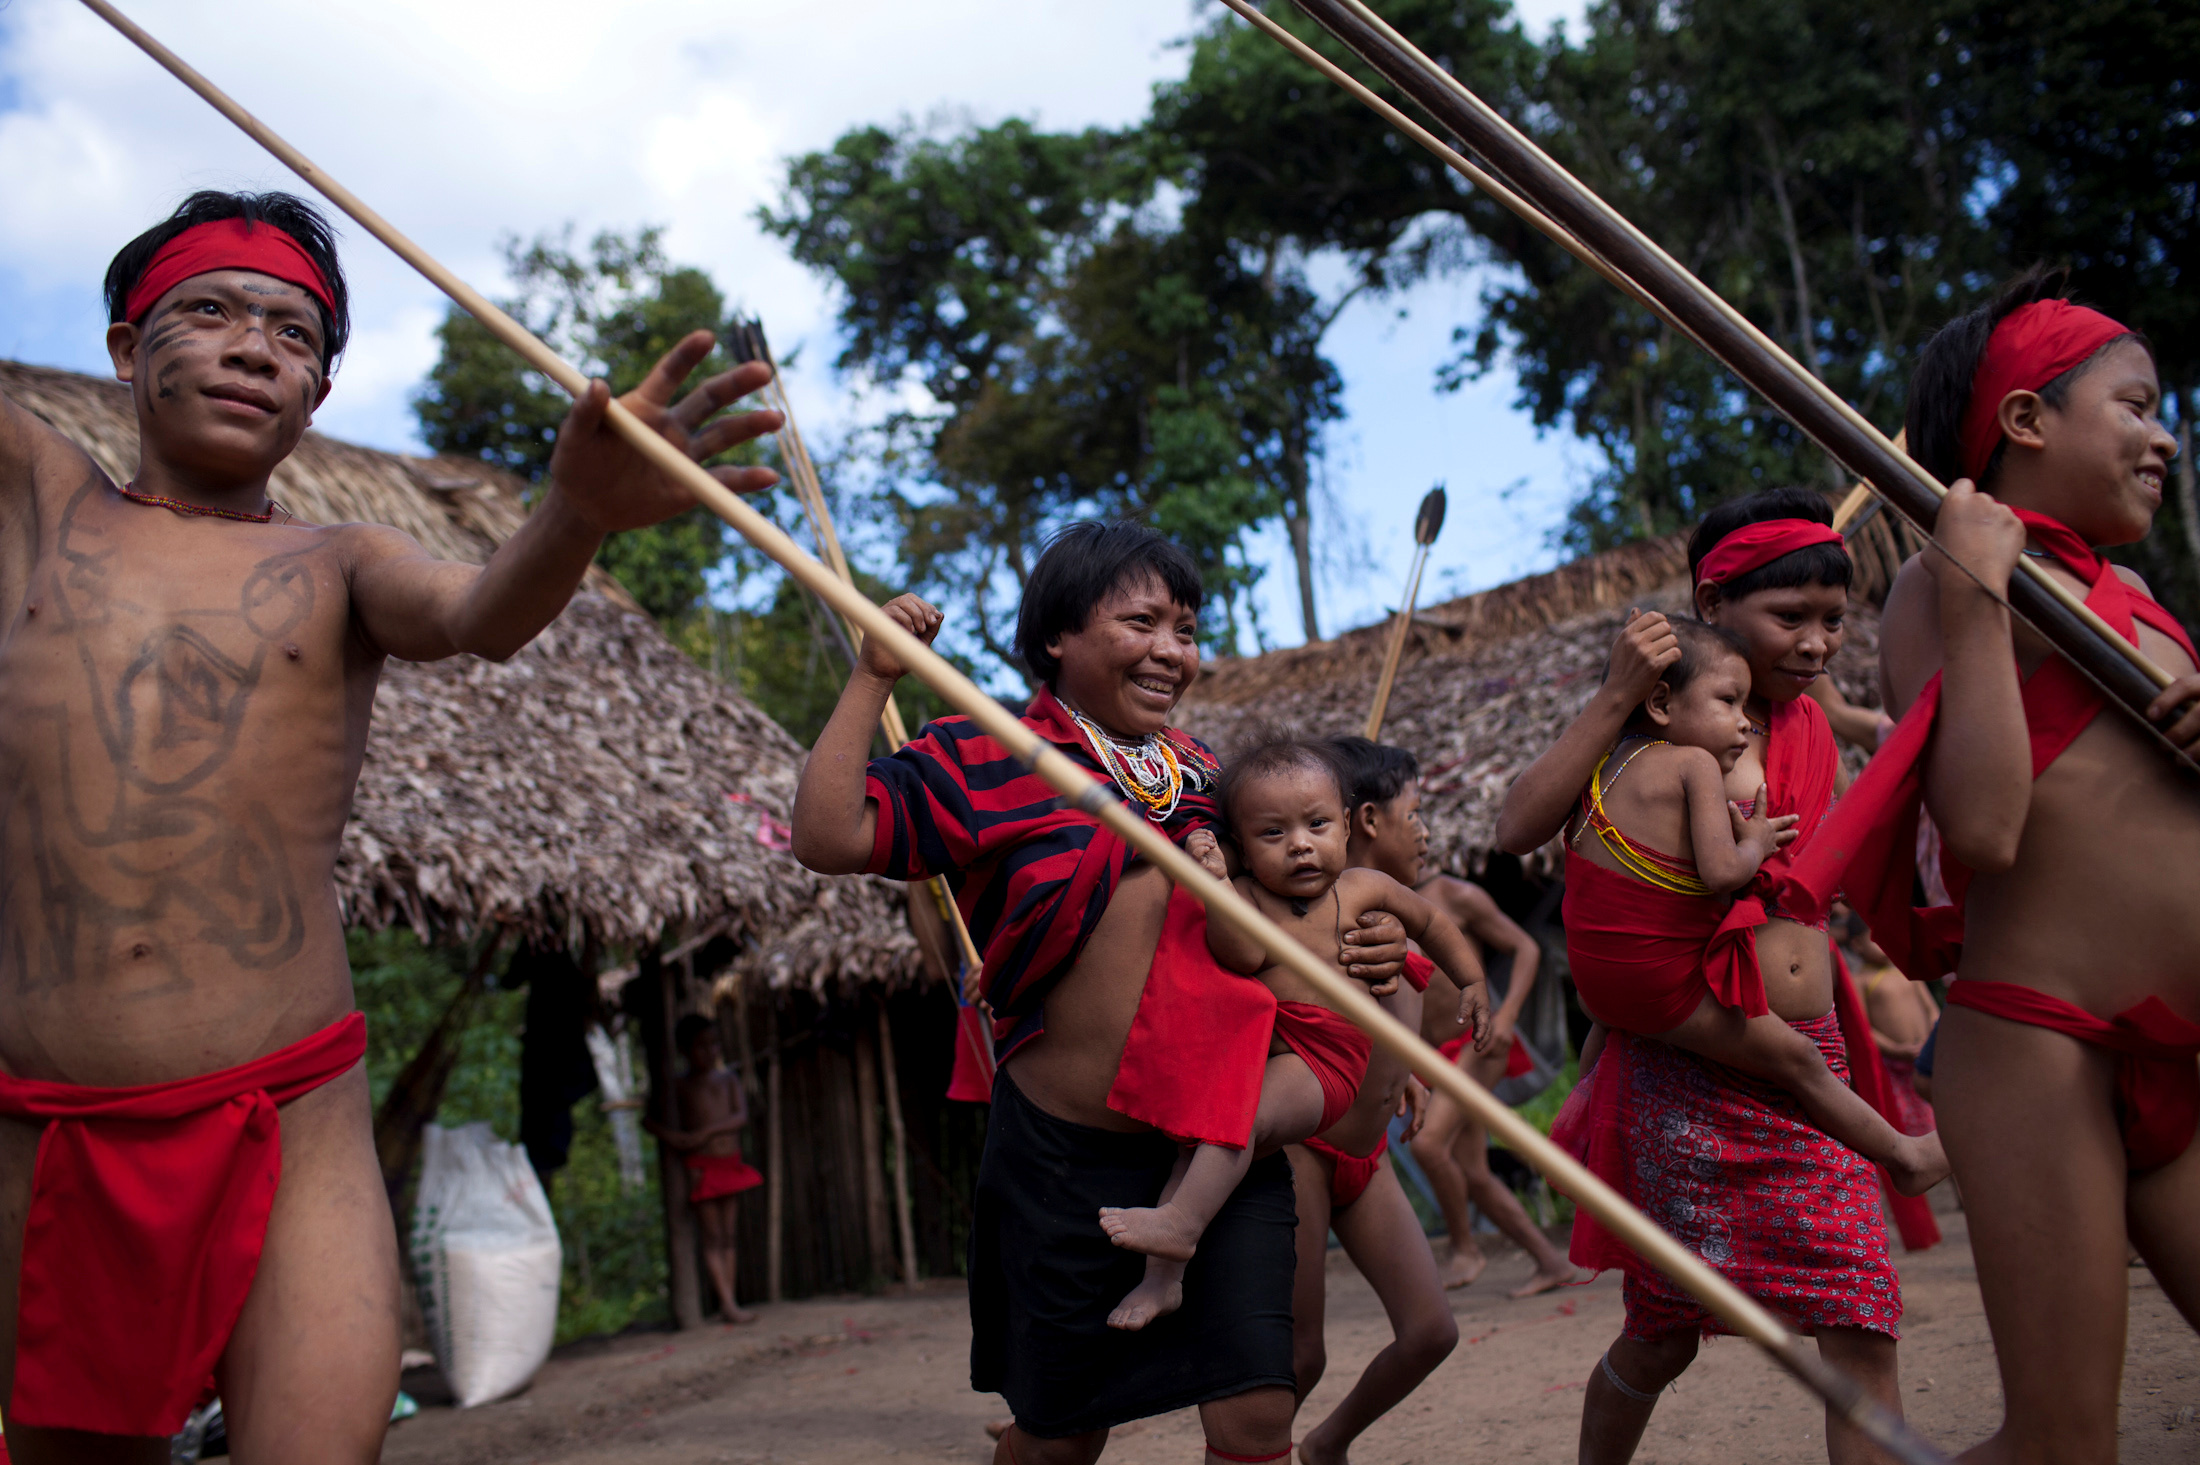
x: 1909, y: 636
x: 370, y: 546
x: 1462, y: 900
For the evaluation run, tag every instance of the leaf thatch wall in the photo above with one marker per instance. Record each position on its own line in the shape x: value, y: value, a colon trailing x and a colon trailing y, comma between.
x: 597, y: 782
x: 1486, y: 683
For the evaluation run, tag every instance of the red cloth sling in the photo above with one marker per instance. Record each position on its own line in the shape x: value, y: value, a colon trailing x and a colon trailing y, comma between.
x: 713, y: 1176
x: 972, y: 1080
x: 148, y: 1210
x: 2157, y: 1081
x: 1418, y: 970
x: 1333, y: 1046
x: 1644, y: 957
x: 1198, y: 1044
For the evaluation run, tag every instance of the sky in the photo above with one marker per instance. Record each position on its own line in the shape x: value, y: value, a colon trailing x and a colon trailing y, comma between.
x: 468, y: 121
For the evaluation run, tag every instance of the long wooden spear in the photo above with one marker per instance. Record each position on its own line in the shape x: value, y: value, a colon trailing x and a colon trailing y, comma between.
x: 751, y: 345
x: 1554, y: 201
x: 1427, y: 524
x: 1088, y: 794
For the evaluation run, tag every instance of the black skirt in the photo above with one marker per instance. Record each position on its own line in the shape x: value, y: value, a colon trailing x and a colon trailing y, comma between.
x: 1044, y: 1277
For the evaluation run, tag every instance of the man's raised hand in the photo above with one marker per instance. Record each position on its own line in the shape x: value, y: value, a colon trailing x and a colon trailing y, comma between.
x: 612, y: 487
x: 914, y: 614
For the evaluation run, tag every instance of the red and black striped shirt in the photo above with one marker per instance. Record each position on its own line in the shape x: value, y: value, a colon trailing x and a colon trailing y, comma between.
x: 1030, y: 874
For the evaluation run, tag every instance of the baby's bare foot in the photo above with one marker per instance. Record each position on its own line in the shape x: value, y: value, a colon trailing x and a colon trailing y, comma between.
x: 1162, y: 1231
x: 1463, y: 1267
x: 1919, y: 1164
x: 1159, y: 1295
x: 1547, y: 1280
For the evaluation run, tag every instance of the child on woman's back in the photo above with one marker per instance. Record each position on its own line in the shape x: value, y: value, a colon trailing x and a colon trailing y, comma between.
x: 1654, y: 856
x: 1284, y: 805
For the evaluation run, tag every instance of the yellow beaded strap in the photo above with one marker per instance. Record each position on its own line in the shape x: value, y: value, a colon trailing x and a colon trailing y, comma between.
x: 1659, y: 869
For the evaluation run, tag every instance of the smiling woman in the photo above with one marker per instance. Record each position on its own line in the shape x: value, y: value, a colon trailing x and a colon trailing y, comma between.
x: 1069, y: 923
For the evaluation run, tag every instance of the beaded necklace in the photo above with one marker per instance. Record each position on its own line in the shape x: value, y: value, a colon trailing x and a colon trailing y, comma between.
x: 1146, y: 771
x: 200, y: 511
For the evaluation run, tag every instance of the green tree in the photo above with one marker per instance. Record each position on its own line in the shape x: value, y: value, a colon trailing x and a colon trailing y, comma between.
x: 615, y: 308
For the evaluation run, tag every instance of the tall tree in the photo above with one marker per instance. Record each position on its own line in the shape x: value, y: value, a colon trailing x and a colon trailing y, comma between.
x: 615, y: 308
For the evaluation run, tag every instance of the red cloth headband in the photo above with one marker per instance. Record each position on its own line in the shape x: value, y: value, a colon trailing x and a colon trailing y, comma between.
x: 1753, y: 546
x: 2032, y: 346
x: 226, y: 244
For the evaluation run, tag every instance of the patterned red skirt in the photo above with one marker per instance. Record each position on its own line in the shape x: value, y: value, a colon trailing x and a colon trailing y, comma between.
x: 1732, y: 1168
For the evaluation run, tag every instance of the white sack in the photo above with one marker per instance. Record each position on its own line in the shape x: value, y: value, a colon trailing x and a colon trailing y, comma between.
x: 485, y: 1252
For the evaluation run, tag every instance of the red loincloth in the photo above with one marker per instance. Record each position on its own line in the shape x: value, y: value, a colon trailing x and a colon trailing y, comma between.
x: 1333, y: 1047
x: 1350, y: 1175
x: 713, y: 1176
x: 1418, y: 970
x: 972, y: 1080
x: 1198, y: 1045
x: 1869, y: 845
x: 1517, y: 1060
x: 1734, y: 1169
x: 148, y: 1210
x: 2157, y: 1085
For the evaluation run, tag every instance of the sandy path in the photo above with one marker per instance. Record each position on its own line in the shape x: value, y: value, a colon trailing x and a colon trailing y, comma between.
x: 819, y: 1383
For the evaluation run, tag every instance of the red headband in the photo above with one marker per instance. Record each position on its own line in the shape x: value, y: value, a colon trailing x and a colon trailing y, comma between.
x: 2032, y: 346
x: 226, y: 244
x: 1753, y: 546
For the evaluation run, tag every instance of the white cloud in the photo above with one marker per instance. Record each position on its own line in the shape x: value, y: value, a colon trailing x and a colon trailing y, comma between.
x: 468, y: 120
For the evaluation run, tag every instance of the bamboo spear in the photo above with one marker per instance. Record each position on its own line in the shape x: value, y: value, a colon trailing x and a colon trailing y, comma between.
x: 750, y: 345
x: 1555, y: 202
x: 1088, y: 794
x: 1427, y: 524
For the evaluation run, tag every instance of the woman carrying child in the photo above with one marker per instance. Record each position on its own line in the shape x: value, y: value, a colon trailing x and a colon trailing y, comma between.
x: 1069, y: 923
x: 1729, y: 1163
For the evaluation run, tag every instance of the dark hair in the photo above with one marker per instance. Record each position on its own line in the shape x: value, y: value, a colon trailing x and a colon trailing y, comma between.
x: 1701, y: 644
x: 1374, y: 773
x: 1940, y: 389
x: 1083, y: 565
x: 1819, y: 564
x: 689, y: 1028
x: 293, y: 215
x: 1270, y: 755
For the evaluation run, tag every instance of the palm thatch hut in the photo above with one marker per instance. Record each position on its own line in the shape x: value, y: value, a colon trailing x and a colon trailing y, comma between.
x: 600, y: 792
x: 1485, y: 684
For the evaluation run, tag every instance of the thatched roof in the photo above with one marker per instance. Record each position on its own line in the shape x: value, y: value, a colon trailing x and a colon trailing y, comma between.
x: 597, y: 782
x: 1485, y: 685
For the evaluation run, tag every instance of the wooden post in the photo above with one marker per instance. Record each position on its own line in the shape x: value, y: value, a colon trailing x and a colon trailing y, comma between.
x: 684, y: 1273
x: 900, y: 1136
x: 876, y: 1228
x: 775, y: 1162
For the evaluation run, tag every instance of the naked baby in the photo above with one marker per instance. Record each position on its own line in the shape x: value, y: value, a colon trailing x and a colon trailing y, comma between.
x: 187, y: 670
x: 1283, y: 806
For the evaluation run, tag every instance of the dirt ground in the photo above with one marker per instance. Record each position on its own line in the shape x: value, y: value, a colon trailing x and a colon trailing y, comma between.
x: 860, y: 1379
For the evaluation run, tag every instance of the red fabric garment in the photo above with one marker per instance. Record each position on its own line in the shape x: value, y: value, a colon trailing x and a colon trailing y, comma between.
x: 972, y: 1080
x: 1643, y: 958
x: 2157, y: 1084
x: 1869, y: 845
x: 226, y: 244
x: 2031, y: 346
x: 1735, y: 1170
x: 1333, y: 1047
x: 1517, y: 1061
x: 1753, y: 546
x: 148, y: 1210
x: 712, y: 1176
x: 1913, y: 1216
x: 1198, y: 1044
x: 1350, y: 1175
x: 1418, y: 970
x: 1911, y: 1114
